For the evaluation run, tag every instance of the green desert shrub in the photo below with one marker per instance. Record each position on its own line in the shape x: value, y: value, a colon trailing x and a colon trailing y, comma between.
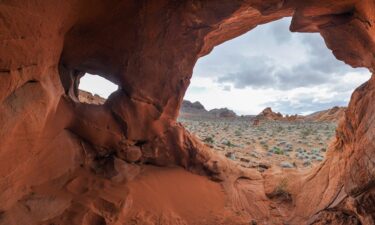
x: 229, y: 144
x: 278, y: 151
x: 209, y: 140
x: 238, y: 133
x: 281, y: 191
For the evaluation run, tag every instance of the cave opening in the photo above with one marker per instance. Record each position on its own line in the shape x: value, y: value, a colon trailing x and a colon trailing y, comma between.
x: 95, y: 89
x: 65, y: 162
x: 270, y: 98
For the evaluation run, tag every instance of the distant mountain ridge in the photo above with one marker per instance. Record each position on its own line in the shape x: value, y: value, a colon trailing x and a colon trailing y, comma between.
x: 194, y: 109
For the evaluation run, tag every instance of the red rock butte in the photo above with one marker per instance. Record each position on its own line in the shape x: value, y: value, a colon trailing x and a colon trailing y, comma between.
x: 128, y: 161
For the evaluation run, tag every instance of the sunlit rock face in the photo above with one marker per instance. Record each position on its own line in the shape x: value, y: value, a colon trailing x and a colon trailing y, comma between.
x: 87, y: 97
x: 128, y: 161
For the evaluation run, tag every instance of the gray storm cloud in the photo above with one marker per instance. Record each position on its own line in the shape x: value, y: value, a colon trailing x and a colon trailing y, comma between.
x: 262, y: 72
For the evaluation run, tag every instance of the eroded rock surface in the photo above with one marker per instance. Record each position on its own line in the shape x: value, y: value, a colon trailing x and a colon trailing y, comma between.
x: 269, y: 115
x: 60, y: 159
x: 333, y: 114
x: 87, y: 97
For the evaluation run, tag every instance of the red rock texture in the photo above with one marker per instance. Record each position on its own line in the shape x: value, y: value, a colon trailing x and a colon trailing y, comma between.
x: 87, y: 97
x: 334, y: 114
x: 269, y: 115
x: 62, y: 160
x: 330, y: 115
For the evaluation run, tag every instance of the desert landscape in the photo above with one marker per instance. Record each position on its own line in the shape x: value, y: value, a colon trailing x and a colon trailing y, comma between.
x: 135, y: 158
x: 265, y: 140
x: 262, y: 141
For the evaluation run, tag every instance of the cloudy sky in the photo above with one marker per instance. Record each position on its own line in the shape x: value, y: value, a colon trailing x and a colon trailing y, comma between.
x: 97, y: 85
x: 268, y: 66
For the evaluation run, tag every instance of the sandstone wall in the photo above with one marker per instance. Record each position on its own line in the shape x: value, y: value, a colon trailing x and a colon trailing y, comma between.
x: 64, y: 162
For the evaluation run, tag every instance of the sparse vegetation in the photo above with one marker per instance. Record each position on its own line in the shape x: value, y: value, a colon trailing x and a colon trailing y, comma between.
x: 281, y: 191
x: 208, y: 140
x: 229, y: 144
x: 278, y: 151
x: 282, y: 144
x: 238, y: 133
x: 306, y: 132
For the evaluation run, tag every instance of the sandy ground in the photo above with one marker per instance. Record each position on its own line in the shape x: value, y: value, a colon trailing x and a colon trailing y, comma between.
x: 285, y: 144
x: 176, y: 193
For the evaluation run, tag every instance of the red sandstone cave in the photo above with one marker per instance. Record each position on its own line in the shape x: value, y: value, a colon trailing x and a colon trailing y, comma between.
x: 128, y: 161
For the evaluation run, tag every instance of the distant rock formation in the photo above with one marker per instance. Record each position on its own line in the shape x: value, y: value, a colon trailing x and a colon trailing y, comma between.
x: 87, y: 97
x: 334, y: 114
x: 192, y: 107
x: 268, y: 114
x: 196, y: 109
x: 330, y: 115
x: 223, y: 113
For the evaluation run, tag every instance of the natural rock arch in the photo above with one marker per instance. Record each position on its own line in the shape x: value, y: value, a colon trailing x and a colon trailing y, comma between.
x: 61, y: 160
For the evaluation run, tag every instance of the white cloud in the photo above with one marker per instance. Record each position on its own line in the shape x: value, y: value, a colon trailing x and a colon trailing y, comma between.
x: 270, y: 66
x: 97, y: 85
